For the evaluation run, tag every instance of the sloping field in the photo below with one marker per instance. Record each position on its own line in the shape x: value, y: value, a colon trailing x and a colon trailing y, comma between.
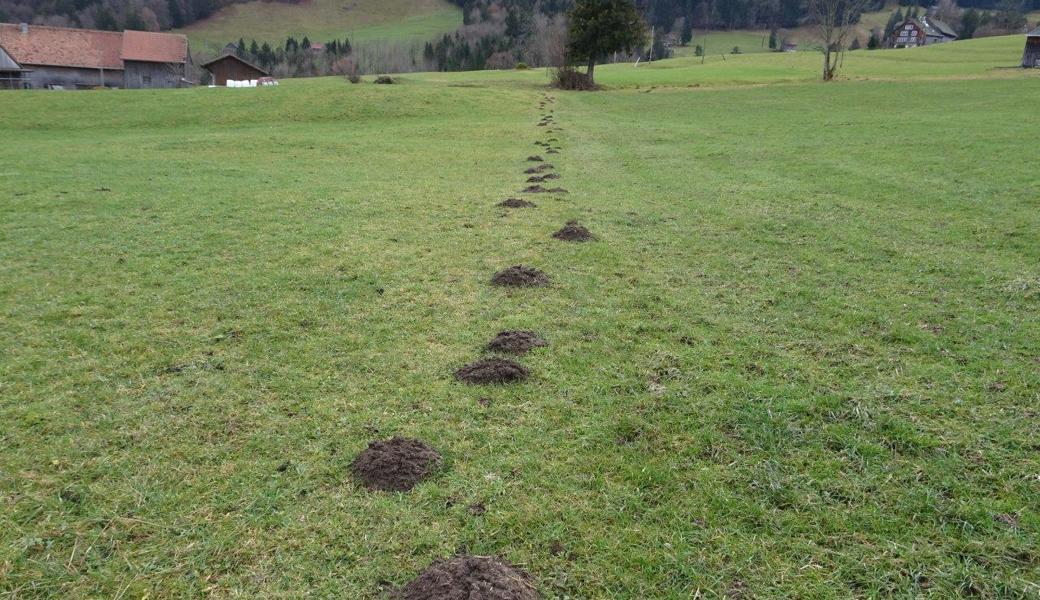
x: 798, y: 360
x: 322, y: 20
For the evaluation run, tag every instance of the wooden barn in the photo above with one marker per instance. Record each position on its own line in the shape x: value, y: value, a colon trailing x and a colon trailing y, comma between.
x: 63, y: 58
x: 229, y: 66
x: 1031, y: 55
x: 925, y: 31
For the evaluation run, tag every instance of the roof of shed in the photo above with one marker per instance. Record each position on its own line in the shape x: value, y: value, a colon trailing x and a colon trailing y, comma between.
x: 235, y: 58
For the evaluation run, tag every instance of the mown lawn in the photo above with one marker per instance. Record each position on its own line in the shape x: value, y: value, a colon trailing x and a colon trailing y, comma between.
x: 800, y: 361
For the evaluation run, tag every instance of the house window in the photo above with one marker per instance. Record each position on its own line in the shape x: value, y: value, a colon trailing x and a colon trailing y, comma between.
x: 908, y: 27
x: 147, y: 79
x: 913, y: 34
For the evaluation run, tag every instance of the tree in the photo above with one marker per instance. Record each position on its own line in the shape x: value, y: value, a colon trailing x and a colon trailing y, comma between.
x: 602, y: 27
x: 686, y: 35
x: 176, y: 14
x: 893, y: 21
x: 834, y: 21
x: 772, y: 39
x: 875, y: 41
x: 105, y: 20
x: 969, y: 23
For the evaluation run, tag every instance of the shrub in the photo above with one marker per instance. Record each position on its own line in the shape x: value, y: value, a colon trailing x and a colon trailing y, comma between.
x: 569, y: 78
x: 522, y: 66
x: 385, y: 80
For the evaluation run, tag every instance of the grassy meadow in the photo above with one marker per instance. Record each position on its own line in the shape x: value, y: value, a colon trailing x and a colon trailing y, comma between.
x: 324, y: 20
x: 800, y: 361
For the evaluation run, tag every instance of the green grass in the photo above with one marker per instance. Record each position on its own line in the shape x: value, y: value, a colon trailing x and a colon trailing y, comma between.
x: 801, y: 360
x: 324, y: 20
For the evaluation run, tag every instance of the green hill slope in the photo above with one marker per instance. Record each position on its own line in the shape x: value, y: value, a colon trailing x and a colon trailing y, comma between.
x: 322, y: 20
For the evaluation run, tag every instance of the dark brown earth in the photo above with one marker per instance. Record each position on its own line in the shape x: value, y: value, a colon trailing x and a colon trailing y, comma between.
x: 516, y: 342
x: 535, y: 158
x: 540, y: 168
x: 520, y: 276
x: 492, y: 370
x: 395, y: 465
x: 542, y: 178
x: 552, y: 151
x: 573, y: 232
x: 516, y: 203
x: 537, y: 189
x: 471, y: 578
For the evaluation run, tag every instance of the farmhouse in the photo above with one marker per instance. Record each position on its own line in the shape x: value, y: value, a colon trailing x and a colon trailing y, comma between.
x: 924, y: 31
x: 1031, y: 55
x: 229, y: 66
x: 34, y: 56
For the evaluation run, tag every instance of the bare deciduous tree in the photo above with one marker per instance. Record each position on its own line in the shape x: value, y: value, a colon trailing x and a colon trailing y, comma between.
x: 834, y: 21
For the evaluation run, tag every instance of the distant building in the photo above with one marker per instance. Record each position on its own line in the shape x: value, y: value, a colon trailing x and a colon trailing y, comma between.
x: 1031, y: 55
x: 230, y: 67
x: 58, y: 57
x: 789, y: 47
x: 923, y: 31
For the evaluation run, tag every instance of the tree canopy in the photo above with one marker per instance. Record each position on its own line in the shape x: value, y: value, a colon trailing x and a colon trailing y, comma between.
x: 601, y: 27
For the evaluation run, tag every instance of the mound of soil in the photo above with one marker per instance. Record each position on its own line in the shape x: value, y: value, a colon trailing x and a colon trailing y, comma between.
x: 516, y: 203
x: 516, y: 342
x: 542, y: 178
x: 385, y: 80
x: 573, y: 232
x: 492, y: 370
x: 471, y: 578
x: 395, y: 465
x: 520, y: 276
x: 552, y: 151
x: 537, y: 189
x: 535, y: 158
x: 540, y: 168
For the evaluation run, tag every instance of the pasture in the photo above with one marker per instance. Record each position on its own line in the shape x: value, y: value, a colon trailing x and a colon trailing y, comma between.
x: 799, y: 359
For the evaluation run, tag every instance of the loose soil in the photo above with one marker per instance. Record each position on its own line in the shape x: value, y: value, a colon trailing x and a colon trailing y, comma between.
x: 535, y: 158
x: 489, y: 371
x: 542, y: 178
x: 540, y: 168
x: 471, y: 578
x: 516, y: 203
x: 516, y: 342
x: 537, y: 189
x: 520, y: 276
x: 573, y: 232
x: 395, y: 465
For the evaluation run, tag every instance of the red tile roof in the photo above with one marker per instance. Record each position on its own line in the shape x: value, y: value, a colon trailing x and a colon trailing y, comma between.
x: 87, y: 48
x: 148, y: 46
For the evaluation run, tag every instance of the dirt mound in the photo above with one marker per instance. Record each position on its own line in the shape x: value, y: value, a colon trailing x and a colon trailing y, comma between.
x: 471, y: 578
x: 395, y: 465
x: 573, y: 232
x: 516, y: 342
x: 542, y: 178
x: 516, y: 203
x: 385, y: 80
x: 492, y: 370
x: 537, y: 189
x: 535, y: 158
x: 520, y: 276
x: 552, y: 151
x: 540, y: 168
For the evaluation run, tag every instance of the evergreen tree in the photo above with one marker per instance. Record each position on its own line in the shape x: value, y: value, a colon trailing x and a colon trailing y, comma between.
x: 686, y: 35
x: 893, y: 21
x: 969, y: 23
x: 855, y: 44
x: 873, y: 43
x: 240, y: 48
x: 176, y: 14
x: 254, y: 49
x: 772, y: 39
x: 105, y: 20
x: 305, y: 44
x: 601, y: 27
x: 134, y: 21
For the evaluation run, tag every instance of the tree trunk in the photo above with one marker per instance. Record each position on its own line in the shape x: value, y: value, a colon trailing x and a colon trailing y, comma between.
x: 827, y: 71
x: 592, y: 69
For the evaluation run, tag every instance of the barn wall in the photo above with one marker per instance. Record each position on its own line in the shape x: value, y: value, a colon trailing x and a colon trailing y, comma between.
x: 232, y: 69
x: 139, y: 75
x: 72, y: 77
x: 1031, y: 56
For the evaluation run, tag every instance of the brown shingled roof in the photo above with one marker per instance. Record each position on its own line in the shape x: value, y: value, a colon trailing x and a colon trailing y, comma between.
x: 147, y: 46
x: 88, y: 48
x: 58, y: 46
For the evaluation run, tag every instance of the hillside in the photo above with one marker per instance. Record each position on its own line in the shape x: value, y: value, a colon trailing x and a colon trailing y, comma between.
x: 797, y: 360
x: 320, y: 20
